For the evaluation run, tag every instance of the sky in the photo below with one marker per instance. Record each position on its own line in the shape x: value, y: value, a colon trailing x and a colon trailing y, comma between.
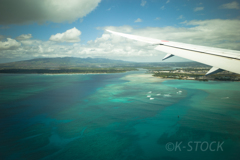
x: 76, y: 28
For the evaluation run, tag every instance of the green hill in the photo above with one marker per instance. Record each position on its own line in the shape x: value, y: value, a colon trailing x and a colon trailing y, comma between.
x: 59, y: 63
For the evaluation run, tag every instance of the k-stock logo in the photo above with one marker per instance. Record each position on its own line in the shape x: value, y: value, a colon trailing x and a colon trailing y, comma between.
x: 191, y: 146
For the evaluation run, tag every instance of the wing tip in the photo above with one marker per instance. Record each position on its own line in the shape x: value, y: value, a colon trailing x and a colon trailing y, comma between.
x: 167, y: 56
x: 108, y: 30
x: 213, y: 70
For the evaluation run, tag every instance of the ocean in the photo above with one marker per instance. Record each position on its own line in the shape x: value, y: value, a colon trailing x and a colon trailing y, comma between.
x: 119, y: 116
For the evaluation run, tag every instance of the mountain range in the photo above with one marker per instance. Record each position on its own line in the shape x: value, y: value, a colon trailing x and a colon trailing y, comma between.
x: 62, y: 62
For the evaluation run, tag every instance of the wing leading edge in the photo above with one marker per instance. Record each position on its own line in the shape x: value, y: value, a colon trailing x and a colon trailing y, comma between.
x: 220, y: 59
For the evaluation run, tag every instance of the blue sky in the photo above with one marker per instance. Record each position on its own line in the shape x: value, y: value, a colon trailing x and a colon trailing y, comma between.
x: 26, y: 27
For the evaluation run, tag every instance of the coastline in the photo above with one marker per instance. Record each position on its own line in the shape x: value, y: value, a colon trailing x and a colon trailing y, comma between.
x: 68, y: 73
x: 51, y: 72
x: 160, y: 79
x: 203, y: 80
x: 55, y: 73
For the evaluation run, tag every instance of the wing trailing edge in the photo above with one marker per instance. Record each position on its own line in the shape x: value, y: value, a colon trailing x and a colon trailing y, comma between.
x: 220, y: 59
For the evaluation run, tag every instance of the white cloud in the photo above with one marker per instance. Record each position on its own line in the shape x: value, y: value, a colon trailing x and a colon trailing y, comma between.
x: 162, y: 8
x: 71, y: 35
x: 213, y: 33
x: 143, y: 3
x: 232, y: 5
x: 9, y: 44
x: 40, y: 49
x: 110, y: 8
x: 31, y: 42
x: 138, y: 20
x: 198, y: 9
x: 24, y: 37
x: 168, y: 1
x: 157, y: 18
x: 45, y: 10
x: 180, y: 17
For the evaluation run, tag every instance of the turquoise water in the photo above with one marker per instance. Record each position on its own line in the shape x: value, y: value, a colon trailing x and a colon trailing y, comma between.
x: 117, y: 116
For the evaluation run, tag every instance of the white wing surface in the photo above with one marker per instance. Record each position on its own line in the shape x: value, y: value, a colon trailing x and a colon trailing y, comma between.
x: 220, y: 59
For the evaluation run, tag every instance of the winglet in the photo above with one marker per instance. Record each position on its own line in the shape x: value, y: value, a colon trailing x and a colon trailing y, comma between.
x: 168, y: 56
x: 213, y: 70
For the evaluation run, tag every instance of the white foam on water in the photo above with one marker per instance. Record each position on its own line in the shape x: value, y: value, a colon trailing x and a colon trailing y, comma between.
x: 167, y: 95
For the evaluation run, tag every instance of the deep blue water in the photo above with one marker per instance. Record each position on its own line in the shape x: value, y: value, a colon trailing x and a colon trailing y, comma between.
x: 117, y: 116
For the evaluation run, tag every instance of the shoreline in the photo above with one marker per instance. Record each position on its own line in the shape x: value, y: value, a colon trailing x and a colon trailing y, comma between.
x: 199, y: 80
x: 68, y: 73
x: 55, y: 73
x: 62, y: 73
x: 151, y: 76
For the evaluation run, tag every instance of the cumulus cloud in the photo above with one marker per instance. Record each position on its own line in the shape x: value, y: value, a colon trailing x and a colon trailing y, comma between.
x: 143, y: 3
x: 232, y: 5
x: 138, y: 20
x: 30, y: 42
x: 9, y: 44
x: 24, y: 37
x: 198, y: 9
x: 44, y: 10
x: 71, y: 35
x: 214, y: 33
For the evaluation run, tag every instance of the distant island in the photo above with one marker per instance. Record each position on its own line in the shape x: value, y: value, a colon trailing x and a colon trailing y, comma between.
x: 73, y: 65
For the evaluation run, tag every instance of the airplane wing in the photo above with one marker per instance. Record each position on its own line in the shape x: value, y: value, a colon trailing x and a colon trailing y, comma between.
x: 219, y: 59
